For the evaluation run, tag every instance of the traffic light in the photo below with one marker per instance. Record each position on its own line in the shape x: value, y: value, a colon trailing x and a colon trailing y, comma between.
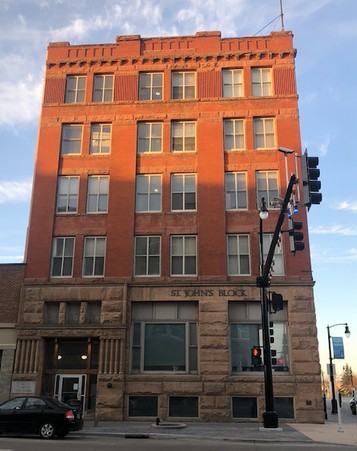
x: 256, y: 354
x: 295, y: 235
x: 311, y: 184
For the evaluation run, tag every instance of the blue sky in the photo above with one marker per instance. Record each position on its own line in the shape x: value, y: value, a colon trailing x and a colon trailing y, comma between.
x: 325, y: 35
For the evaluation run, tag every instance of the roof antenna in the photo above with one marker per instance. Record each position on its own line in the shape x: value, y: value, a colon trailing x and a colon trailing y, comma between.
x: 281, y: 15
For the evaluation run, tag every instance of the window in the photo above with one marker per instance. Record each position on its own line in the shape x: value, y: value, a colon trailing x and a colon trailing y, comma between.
x: 62, y: 257
x: 232, y: 82
x: 100, y: 138
x: 150, y: 86
x: 246, y: 332
x: 94, y: 255
x: 238, y: 255
x: 143, y: 406
x: 278, y: 262
x: 97, y: 194
x: 72, y: 313
x: 264, y: 136
x: 164, y: 337
x: 183, y: 192
x: 234, y: 134
x: 71, y: 139
x: 35, y: 404
x: 261, y: 81
x: 148, y: 193
x: 284, y: 407
x: 51, y: 313
x: 236, y: 190
x: 149, y: 137
x: 147, y: 256
x: 183, y: 85
x: 183, y: 406
x: 75, y: 89
x: 67, y: 194
x: 267, y: 187
x: 93, y: 312
x: 244, y: 407
x: 183, y: 135
x: 103, y: 88
x: 183, y: 255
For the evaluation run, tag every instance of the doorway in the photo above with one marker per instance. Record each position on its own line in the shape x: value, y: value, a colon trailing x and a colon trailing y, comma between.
x: 70, y: 388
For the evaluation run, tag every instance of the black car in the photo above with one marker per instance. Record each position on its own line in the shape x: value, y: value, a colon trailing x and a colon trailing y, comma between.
x: 41, y: 415
x: 353, y: 403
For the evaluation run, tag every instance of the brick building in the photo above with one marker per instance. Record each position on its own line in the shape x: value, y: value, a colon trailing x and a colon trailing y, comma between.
x: 11, y: 282
x: 140, y: 293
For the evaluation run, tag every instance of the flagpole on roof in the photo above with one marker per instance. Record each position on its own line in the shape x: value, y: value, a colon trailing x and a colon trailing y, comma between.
x: 281, y: 15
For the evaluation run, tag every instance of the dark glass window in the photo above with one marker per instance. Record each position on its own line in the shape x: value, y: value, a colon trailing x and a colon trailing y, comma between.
x: 244, y: 407
x: 183, y: 406
x: 284, y: 407
x: 143, y: 406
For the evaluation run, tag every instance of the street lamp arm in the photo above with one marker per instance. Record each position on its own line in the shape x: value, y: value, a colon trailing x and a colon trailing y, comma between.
x: 338, y: 324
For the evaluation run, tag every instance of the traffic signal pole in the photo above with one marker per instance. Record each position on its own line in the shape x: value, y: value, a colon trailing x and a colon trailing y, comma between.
x: 270, y: 417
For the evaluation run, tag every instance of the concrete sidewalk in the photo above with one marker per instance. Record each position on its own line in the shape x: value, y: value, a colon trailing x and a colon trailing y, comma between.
x: 330, y: 432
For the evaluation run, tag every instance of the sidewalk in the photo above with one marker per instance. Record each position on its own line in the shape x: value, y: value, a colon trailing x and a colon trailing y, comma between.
x: 330, y: 432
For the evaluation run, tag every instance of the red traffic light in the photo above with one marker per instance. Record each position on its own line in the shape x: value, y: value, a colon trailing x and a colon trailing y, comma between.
x: 256, y: 354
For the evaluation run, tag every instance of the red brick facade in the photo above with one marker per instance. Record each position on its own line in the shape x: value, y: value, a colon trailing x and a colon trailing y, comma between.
x: 213, y: 289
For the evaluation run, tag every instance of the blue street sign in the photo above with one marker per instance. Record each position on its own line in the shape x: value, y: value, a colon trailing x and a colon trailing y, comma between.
x: 338, y: 351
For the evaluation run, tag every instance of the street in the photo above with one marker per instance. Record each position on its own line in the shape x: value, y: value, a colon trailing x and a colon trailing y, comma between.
x: 122, y: 444
x: 83, y: 441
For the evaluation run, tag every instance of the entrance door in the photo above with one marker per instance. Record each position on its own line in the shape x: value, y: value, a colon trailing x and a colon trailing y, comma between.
x: 70, y: 388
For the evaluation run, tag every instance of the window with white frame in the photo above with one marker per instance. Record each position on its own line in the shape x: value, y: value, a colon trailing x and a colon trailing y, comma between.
x: 75, y: 88
x: 149, y: 137
x: 238, y: 255
x: 183, y: 85
x: 150, y: 86
x: 183, y: 136
x: 267, y: 187
x: 183, y: 192
x: 264, y: 133
x: 71, y: 139
x: 183, y: 255
x: 234, y: 134
x: 246, y: 332
x: 148, y: 193
x: 103, y: 88
x: 97, y: 194
x: 278, y: 261
x: 94, y: 256
x: 164, y: 337
x: 261, y: 81
x: 236, y: 190
x: 232, y: 82
x: 62, y: 257
x: 100, y: 138
x: 147, y: 255
x: 67, y: 194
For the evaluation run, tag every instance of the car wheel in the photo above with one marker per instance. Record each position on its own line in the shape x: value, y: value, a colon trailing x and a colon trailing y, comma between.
x: 47, y: 431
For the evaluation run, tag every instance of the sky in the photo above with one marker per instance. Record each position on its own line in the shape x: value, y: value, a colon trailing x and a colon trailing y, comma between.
x: 325, y: 36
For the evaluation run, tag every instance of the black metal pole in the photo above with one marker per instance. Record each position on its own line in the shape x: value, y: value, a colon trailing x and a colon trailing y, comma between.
x: 270, y: 417
x: 332, y: 379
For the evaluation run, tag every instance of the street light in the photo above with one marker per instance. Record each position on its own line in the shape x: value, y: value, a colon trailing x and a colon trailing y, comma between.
x: 270, y: 417
x: 332, y: 379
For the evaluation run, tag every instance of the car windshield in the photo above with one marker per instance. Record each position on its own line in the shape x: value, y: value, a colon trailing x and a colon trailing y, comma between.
x: 12, y: 404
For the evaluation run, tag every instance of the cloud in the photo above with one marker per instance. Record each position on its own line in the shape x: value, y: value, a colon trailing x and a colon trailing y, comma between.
x: 347, y: 206
x: 20, y: 101
x: 13, y: 191
x: 333, y: 230
x: 324, y: 146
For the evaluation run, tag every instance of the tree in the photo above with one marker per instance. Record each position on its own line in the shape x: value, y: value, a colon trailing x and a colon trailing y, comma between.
x: 346, y: 380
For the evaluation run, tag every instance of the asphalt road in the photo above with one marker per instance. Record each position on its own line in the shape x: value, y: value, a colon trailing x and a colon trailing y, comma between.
x: 121, y: 444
